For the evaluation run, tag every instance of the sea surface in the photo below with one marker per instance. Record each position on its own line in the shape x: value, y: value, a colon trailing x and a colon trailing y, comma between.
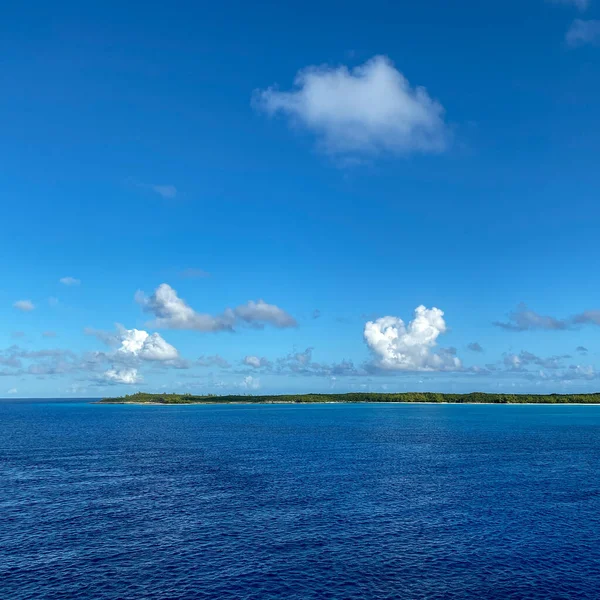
x: 298, y: 502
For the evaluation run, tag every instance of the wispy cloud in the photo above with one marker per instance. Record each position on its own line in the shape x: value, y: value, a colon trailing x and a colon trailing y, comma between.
x: 583, y: 32
x: 70, y: 281
x: 579, y: 4
x: 524, y: 319
x: 166, y: 191
x: 24, y: 305
x: 588, y: 317
x: 194, y: 274
x: 213, y: 361
x: 49, y: 334
x: 366, y: 110
x: 518, y: 362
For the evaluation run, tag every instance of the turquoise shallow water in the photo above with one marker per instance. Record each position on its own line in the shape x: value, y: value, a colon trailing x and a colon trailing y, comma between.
x: 328, y: 501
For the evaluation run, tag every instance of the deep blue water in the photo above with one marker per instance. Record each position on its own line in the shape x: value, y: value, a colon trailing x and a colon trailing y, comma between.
x: 329, y: 501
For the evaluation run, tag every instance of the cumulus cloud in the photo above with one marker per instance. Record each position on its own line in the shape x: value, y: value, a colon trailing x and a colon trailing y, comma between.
x: 24, y: 305
x: 135, y: 344
x: 140, y: 344
x: 172, y: 312
x: 581, y: 350
x: 69, y: 281
x: 401, y: 347
x: 583, y: 32
x: 523, y: 319
x: 256, y: 362
x: 128, y: 376
x: 475, y: 347
x: 251, y: 383
x: 369, y: 109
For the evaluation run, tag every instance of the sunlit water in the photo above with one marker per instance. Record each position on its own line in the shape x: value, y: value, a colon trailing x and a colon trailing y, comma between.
x: 329, y: 501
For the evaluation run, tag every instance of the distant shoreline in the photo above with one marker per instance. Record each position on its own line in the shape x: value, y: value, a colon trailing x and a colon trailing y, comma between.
x: 141, y: 398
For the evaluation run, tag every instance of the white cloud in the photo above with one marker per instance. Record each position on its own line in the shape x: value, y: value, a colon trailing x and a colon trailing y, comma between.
x: 12, y: 391
x: 49, y: 334
x: 251, y: 383
x: 128, y: 376
x: 69, y: 281
x: 252, y: 361
x: 256, y: 362
x: 409, y: 348
x: 369, y: 109
x: 24, y: 305
x: 172, y: 312
x: 140, y: 344
x: 583, y: 32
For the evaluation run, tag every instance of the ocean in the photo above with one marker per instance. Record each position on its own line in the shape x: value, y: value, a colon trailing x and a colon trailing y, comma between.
x: 372, y: 501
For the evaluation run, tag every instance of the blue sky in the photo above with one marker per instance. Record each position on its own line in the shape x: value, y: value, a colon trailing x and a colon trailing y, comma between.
x: 343, y: 164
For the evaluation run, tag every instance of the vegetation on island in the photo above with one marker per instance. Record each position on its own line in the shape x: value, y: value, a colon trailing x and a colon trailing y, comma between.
x: 473, y: 398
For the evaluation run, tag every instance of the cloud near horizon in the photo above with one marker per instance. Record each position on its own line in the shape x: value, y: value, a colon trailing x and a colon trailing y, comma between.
x: 400, y: 347
x: 140, y: 344
x: 525, y: 319
x: 172, y: 312
x: 128, y: 376
x: 366, y: 110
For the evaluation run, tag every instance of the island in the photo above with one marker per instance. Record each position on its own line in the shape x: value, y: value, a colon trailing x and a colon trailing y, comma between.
x: 360, y: 397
